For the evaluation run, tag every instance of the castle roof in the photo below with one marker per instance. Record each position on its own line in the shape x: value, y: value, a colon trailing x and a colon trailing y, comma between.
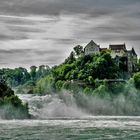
x: 91, y: 43
x: 132, y: 52
x: 118, y: 47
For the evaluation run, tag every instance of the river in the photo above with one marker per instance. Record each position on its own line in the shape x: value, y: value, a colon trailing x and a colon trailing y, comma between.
x: 94, y: 128
x: 56, y: 120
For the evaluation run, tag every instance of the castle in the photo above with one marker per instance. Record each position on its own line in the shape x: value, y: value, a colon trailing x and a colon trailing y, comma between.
x: 118, y: 52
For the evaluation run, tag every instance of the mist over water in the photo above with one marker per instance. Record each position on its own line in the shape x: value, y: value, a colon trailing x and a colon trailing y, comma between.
x: 53, y: 106
x: 73, y: 116
x: 68, y: 105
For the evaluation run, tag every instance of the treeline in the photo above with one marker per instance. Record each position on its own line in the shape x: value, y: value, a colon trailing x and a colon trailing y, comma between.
x: 82, y: 73
x: 20, y: 76
x: 78, y: 72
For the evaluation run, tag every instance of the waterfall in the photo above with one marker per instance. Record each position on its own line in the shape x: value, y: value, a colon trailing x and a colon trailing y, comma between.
x: 52, y: 106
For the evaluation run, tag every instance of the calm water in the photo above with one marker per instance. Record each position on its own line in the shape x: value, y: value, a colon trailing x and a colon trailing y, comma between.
x: 93, y: 128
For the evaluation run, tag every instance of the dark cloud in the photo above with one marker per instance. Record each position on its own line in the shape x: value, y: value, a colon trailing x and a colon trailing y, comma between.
x: 54, y: 7
x: 14, y: 51
x: 21, y: 56
x: 15, y: 20
x: 25, y: 29
x: 6, y: 36
x: 64, y: 41
x: 49, y: 52
x: 45, y: 31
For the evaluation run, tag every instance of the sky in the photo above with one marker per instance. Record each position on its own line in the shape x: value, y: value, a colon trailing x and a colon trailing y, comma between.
x: 36, y: 32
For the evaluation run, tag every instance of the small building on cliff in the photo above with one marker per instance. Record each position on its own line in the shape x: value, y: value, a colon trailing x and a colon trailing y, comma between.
x: 91, y: 48
x: 118, y: 50
x: 123, y: 57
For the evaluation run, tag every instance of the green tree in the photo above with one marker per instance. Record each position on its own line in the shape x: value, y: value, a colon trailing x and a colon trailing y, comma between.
x: 136, y: 78
x: 78, y: 50
x: 33, y: 72
x: 11, y: 106
x: 71, y: 58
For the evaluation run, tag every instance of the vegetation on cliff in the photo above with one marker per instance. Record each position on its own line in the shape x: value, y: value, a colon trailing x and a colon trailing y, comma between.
x: 11, y: 107
x: 88, y: 74
x: 90, y: 78
x: 78, y: 73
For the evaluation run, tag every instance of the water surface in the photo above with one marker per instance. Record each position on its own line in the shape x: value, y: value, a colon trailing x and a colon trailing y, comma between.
x: 91, y: 128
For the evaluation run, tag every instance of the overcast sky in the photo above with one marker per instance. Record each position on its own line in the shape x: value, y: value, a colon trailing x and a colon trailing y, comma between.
x: 35, y: 32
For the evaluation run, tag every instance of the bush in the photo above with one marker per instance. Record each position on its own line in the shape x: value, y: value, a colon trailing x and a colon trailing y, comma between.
x: 136, y: 78
x: 11, y: 107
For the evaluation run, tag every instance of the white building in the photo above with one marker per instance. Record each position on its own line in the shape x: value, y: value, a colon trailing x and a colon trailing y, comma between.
x: 118, y: 52
x: 91, y: 48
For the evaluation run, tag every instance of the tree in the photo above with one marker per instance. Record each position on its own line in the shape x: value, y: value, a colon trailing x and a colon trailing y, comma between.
x: 33, y: 72
x: 5, y: 90
x: 138, y: 65
x: 11, y: 106
x: 71, y: 58
x: 40, y: 72
x: 78, y: 50
x: 136, y: 78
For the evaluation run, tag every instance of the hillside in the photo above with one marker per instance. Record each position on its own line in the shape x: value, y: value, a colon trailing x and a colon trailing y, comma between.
x: 92, y: 80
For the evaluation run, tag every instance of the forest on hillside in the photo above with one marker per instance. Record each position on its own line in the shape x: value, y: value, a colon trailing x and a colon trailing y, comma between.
x: 79, y: 74
x: 82, y: 71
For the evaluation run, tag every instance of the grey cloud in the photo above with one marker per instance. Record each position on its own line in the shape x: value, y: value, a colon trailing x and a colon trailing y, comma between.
x: 71, y: 22
x: 49, y: 52
x: 25, y: 29
x: 27, y: 57
x: 114, y: 28
x: 12, y: 37
x: 5, y: 37
x: 3, y: 63
x: 15, y: 21
x: 64, y: 41
x: 14, y: 51
x: 54, y: 7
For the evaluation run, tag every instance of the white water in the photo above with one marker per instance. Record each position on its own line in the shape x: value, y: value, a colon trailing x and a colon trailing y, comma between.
x: 63, y: 120
x: 51, y: 106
